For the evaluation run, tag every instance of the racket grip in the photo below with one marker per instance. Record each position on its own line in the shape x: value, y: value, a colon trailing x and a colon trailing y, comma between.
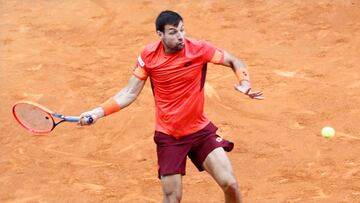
x: 72, y: 118
x: 89, y: 119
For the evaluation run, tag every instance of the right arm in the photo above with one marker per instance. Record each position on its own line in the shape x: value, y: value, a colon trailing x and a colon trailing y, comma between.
x: 121, y: 100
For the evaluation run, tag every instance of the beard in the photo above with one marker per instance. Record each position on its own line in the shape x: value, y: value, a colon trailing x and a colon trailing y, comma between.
x: 178, y: 47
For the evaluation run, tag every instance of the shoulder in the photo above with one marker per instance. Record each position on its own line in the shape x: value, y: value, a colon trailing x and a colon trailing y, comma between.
x: 194, y: 45
x: 200, y: 46
x: 151, y: 48
x: 149, y: 53
x: 194, y: 42
x: 197, y: 44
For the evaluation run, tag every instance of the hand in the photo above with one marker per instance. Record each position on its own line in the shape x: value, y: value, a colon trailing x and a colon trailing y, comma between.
x: 90, y: 117
x: 245, y: 88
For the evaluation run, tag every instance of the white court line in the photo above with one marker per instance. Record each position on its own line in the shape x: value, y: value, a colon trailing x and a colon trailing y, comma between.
x: 347, y: 136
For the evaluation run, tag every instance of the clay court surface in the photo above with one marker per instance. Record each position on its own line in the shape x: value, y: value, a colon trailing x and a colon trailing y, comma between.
x: 72, y: 55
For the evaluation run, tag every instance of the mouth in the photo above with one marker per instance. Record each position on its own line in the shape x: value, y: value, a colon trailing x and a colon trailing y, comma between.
x: 181, y: 44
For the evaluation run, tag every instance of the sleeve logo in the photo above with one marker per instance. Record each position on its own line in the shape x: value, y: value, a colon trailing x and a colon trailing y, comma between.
x: 141, y: 62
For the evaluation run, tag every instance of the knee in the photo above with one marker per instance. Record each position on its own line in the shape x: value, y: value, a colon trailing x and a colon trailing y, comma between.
x: 230, y: 186
x: 172, y: 188
x: 172, y: 196
x: 232, y: 192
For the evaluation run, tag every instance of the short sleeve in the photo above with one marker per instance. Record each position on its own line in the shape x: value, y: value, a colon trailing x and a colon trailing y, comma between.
x: 212, y: 54
x: 139, y: 69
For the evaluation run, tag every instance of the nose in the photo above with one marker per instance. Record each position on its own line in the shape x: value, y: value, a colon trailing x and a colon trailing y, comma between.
x: 180, y: 36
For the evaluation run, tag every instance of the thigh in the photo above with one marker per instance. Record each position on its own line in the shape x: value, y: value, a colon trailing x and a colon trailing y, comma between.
x: 171, y: 154
x: 172, y: 160
x: 218, y: 165
x: 208, y: 144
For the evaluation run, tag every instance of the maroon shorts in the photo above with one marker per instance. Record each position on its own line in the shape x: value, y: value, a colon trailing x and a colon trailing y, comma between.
x: 172, y: 152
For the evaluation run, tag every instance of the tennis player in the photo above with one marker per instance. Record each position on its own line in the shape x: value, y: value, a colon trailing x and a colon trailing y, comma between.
x: 176, y: 66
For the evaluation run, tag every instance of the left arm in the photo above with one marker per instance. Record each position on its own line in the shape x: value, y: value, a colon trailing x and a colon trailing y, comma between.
x: 242, y: 74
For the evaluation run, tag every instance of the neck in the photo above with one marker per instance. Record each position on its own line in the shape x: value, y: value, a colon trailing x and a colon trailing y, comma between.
x: 168, y: 50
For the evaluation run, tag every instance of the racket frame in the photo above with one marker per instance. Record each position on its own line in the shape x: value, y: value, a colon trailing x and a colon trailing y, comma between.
x: 47, y: 111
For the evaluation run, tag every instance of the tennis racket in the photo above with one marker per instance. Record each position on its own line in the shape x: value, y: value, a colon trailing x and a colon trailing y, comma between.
x: 39, y: 119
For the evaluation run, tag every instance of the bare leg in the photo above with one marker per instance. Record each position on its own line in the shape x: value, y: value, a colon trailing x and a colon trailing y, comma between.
x: 219, y: 167
x: 172, y: 188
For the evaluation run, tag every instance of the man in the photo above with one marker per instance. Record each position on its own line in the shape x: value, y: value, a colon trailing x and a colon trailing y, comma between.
x: 176, y: 67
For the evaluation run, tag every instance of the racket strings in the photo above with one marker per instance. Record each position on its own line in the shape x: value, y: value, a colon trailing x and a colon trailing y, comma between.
x: 33, y: 118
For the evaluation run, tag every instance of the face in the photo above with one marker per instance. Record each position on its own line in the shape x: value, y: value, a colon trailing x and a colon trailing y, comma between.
x: 173, y: 37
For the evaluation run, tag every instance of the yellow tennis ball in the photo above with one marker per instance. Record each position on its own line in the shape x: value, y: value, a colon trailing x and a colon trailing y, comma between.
x: 328, y: 132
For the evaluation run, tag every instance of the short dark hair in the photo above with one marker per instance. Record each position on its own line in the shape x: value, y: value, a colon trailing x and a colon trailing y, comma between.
x: 167, y: 17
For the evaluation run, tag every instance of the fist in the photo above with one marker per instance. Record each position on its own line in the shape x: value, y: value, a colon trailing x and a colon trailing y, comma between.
x: 90, y: 117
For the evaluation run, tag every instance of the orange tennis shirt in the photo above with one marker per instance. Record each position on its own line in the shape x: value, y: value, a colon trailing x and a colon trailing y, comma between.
x: 177, y: 81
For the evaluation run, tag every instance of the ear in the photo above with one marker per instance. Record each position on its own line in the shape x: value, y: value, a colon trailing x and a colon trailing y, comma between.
x: 159, y: 33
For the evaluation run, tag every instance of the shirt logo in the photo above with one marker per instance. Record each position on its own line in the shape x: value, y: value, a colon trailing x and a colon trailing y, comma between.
x: 141, y: 62
x: 187, y: 64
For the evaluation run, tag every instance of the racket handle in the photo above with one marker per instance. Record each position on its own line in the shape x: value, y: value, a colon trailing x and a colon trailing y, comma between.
x: 72, y: 118
x: 89, y: 119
